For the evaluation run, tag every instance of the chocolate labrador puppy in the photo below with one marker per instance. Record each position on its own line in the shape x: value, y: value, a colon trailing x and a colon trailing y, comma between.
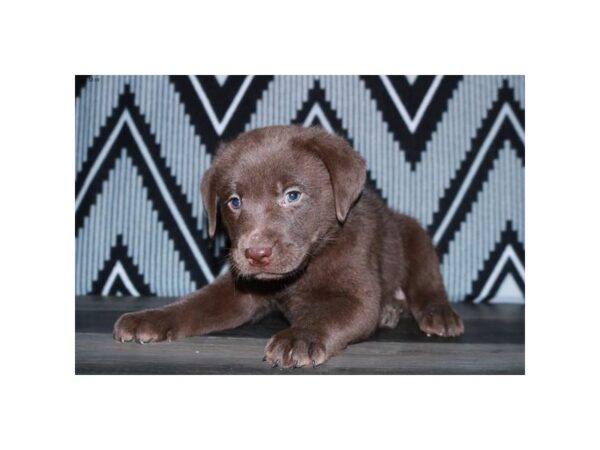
x: 308, y: 240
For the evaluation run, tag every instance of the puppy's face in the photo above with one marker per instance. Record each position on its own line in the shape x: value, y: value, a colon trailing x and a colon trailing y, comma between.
x: 277, y: 196
x: 276, y: 205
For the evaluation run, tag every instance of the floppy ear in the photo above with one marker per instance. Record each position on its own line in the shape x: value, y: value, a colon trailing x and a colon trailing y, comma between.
x: 347, y: 169
x: 209, y: 198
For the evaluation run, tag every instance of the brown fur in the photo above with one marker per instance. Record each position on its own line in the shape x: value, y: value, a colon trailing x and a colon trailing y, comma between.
x: 339, y: 262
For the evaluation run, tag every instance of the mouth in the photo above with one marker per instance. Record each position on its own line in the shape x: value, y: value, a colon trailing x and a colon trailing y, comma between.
x: 268, y: 271
x: 265, y: 274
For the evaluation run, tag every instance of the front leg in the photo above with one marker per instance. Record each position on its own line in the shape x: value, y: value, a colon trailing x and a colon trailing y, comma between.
x: 218, y: 306
x: 321, y: 328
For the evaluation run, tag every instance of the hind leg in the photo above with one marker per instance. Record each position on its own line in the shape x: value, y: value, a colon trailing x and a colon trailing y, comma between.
x: 437, y: 317
x: 430, y: 307
x: 393, y: 308
x: 425, y: 290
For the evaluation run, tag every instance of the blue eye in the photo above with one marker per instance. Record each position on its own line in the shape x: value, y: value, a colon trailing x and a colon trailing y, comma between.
x: 235, y: 203
x: 292, y: 196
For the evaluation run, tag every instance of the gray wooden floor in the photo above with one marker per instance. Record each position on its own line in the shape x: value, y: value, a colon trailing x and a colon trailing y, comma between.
x: 494, y: 343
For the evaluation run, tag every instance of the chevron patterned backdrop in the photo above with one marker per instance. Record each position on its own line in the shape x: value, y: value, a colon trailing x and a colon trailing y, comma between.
x: 448, y: 150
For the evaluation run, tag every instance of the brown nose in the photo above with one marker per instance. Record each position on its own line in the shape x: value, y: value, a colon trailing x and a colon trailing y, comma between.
x: 258, y: 255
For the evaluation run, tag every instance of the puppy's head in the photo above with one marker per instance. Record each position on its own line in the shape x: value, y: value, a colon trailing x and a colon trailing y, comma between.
x: 282, y: 191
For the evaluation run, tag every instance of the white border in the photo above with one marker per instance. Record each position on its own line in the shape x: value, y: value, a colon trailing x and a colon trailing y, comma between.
x: 553, y: 44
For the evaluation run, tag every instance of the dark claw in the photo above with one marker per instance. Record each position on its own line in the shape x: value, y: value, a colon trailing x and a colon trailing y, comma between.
x: 275, y: 364
x: 264, y: 358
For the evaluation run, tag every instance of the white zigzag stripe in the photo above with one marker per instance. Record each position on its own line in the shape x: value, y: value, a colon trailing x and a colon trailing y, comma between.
x: 500, y: 200
x: 316, y: 112
x: 92, y: 109
x: 221, y: 79
x: 507, y: 254
x: 119, y: 271
x: 505, y: 112
x: 220, y: 125
x: 411, y: 123
x: 414, y: 192
x: 123, y: 207
x: 98, y: 161
x: 184, y: 154
x: 126, y: 119
x: 411, y: 78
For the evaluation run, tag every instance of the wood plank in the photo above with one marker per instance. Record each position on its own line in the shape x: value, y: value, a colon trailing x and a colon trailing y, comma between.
x: 97, y: 353
x: 493, y: 344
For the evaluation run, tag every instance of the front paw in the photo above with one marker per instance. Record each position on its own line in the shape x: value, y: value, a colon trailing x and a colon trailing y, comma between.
x: 152, y: 325
x: 441, y: 320
x: 295, y: 348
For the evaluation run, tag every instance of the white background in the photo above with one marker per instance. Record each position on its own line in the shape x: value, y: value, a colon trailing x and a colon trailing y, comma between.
x: 44, y: 44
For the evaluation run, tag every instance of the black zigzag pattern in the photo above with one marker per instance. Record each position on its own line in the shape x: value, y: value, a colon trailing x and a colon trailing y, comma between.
x: 109, y: 285
x: 423, y: 94
x: 505, y: 132
x: 219, y: 98
x: 447, y: 149
x: 510, y: 239
x: 125, y: 140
